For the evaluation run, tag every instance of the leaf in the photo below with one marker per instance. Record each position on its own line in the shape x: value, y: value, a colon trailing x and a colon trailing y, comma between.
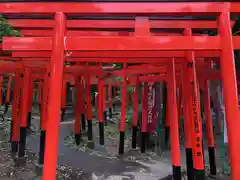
x: 15, y: 33
x: 6, y: 29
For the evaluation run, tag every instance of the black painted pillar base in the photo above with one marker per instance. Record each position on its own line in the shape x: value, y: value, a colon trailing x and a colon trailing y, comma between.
x: 63, y: 114
x: 143, y: 142
x: 167, y: 136
x: 83, y: 122
x: 176, y: 172
x: 29, y: 120
x: 90, y: 144
x: 93, y: 100
x: 105, y: 118
x: 203, y: 154
x: 22, y: 142
x: 189, y: 161
x: 42, y: 147
x: 11, y: 131
x: 147, y: 140
x: 14, y: 147
x: 199, y: 175
x: 212, y: 161
x: 134, y: 137
x: 121, y: 143
x: 39, y: 106
x: 90, y: 131
x: 101, y: 133
x: 3, y: 98
x: 114, y: 107
x: 6, y: 108
x: 110, y: 113
x: 78, y: 139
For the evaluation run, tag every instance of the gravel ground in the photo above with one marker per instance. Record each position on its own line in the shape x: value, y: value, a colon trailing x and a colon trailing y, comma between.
x: 12, y: 168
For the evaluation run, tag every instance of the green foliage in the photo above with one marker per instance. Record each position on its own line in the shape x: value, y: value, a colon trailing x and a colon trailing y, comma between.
x: 6, y: 29
x: 118, y: 78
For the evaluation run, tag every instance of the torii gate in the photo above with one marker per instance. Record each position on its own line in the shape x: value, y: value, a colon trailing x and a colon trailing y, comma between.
x: 153, y: 43
x: 72, y: 33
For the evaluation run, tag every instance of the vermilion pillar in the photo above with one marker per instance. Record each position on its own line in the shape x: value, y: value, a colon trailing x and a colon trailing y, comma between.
x: 173, y: 120
x: 89, y: 110
x: 78, y: 101
x: 200, y: 111
x: 26, y: 76
x: 82, y: 103
x: 135, y: 115
x: 105, y: 105
x: 230, y: 90
x: 100, y: 111
x: 31, y: 88
x: 54, y: 106
x: 43, y: 117
x: 144, y: 118
x: 123, y: 114
x: 209, y: 129
x: 187, y: 122
x: 110, y: 101
x: 15, y: 112
x: 194, y: 113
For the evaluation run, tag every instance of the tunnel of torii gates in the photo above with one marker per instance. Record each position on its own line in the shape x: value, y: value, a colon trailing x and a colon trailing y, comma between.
x: 182, y: 60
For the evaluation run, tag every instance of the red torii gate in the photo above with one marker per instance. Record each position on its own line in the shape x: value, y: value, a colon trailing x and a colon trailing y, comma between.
x: 118, y: 24
x: 192, y: 43
x: 184, y: 24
